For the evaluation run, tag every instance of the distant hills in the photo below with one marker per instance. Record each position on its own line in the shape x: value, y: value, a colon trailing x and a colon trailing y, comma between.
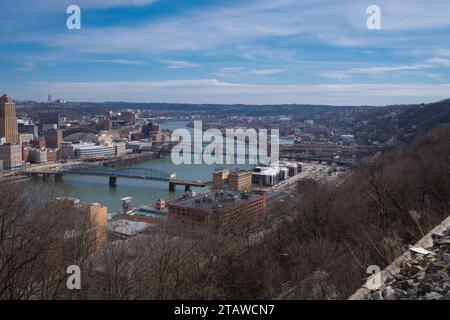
x: 368, y: 123
x: 419, y: 119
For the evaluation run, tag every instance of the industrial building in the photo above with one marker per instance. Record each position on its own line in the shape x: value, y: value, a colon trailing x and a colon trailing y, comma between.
x: 224, y: 207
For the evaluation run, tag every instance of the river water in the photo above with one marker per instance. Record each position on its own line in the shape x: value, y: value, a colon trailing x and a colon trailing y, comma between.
x: 96, y: 189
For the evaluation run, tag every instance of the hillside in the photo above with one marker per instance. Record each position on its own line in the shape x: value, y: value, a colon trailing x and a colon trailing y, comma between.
x: 332, y: 234
x: 420, y: 119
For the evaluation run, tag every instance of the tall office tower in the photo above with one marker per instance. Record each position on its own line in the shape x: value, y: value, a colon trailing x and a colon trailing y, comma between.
x: 128, y: 116
x: 107, y: 124
x: 49, y: 98
x: 156, y: 134
x: 53, y: 138
x: 147, y: 130
x: 8, y: 119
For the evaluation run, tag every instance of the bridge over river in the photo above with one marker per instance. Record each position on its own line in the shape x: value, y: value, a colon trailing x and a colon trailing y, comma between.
x: 113, y: 173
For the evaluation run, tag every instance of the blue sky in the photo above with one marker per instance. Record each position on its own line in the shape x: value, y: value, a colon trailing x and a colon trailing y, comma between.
x: 253, y: 51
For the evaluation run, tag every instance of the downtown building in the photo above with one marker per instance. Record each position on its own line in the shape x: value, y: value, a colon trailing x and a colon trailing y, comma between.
x: 53, y: 138
x: 10, y: 149
x: 94, y: 152
x: 86, y: 150
x: 11, y: 155
x: 152, y: 131
x: 8, y: 120
x: 49, y: 120
x: 129, y: 117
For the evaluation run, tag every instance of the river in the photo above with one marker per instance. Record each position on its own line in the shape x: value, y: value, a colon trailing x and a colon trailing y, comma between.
x: 96, y: 189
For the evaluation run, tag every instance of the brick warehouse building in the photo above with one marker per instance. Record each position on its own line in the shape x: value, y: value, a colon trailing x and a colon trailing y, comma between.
x: 230, y: 208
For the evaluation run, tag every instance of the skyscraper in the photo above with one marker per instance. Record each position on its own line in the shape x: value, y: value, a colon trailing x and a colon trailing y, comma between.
x: 53, y: 138
x: 128, y: 116
x: 8, y: 119
x: 147, y: 130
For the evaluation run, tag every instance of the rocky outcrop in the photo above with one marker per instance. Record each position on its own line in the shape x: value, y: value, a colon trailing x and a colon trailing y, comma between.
x: 416, y: 275
x: 422, y: 277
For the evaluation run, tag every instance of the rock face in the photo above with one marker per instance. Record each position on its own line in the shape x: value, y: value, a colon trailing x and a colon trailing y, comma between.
x: 423, y: 277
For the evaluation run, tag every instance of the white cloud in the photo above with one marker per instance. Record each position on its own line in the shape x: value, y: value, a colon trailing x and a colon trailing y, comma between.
x: 435, y: 76
x: 341, y: 23
x: 232, y: 70
x: 43, y: 7
x: 266, y: 71
x: 28, y: 66
x: 378, y: 70
x: 117, y: 61
x: 213, y: 27
x: 241, y: 71
x: 214, y: 91
x: 345, y: 74
x: 336, y: 75
x: 179, y: 64
x: 439, y: 61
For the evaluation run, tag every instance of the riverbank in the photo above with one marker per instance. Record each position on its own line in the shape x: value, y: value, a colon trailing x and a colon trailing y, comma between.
x: 130, y: 159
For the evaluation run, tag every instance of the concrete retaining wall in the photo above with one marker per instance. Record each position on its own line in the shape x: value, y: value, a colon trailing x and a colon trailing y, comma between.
x: 394, y: 268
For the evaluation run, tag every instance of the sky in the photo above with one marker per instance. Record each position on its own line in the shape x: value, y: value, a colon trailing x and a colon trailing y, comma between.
x: 251, y: 52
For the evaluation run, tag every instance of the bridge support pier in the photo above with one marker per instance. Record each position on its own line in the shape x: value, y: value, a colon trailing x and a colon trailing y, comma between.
x: 172, y: 187
x: 112, y: 182
x: 58, y: 177
x: 187, y: 188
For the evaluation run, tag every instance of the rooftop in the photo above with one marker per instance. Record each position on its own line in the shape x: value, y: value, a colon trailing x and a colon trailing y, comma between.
x: 128, y: 227
x: 216, y: 200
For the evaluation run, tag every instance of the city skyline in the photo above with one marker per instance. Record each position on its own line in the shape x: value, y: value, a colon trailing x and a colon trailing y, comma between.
x: 256, y: 52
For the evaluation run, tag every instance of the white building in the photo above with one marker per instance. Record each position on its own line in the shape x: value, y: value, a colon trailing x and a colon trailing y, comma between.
x: 120, y: 148
x: 94, y: 152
